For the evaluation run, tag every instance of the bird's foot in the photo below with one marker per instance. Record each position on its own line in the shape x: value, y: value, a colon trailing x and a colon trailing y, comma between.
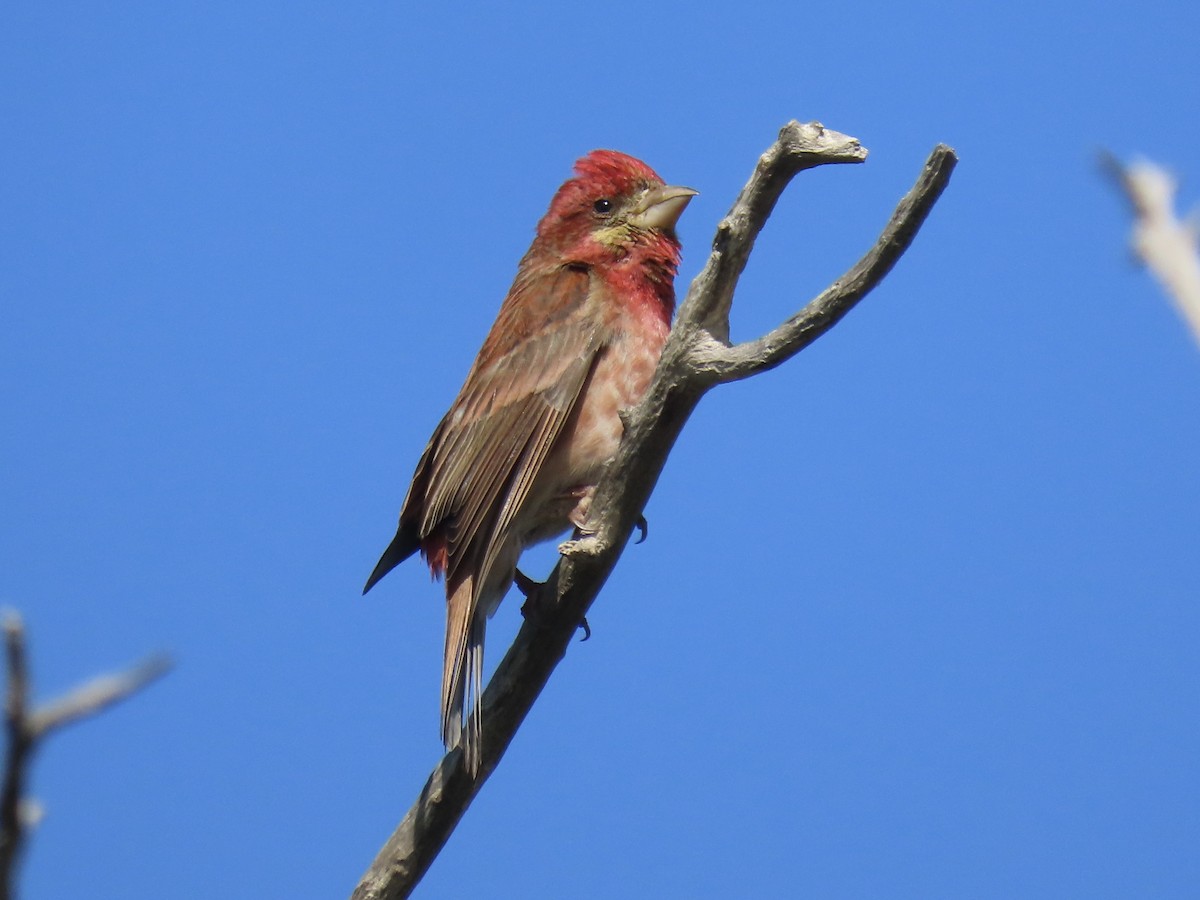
x: 526, y: 585
x: 535, y: 609
x: 581, y: 544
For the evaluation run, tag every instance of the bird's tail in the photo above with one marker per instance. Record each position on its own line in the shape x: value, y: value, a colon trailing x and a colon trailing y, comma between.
x: 462, y: 674
x: 403, y: 545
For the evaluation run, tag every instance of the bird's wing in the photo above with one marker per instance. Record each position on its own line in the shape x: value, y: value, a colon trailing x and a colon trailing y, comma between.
x: 495, y: 439
x: 484, y: 455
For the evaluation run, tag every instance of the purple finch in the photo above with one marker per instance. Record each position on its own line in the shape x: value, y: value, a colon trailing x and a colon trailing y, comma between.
x: 516, y: 459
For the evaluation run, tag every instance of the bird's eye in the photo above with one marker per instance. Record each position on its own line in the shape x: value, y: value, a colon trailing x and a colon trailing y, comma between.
x: 603, y: 206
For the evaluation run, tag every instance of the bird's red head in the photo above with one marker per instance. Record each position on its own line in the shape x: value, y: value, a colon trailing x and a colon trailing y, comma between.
x: 614, y: 204
x: 601, y: 174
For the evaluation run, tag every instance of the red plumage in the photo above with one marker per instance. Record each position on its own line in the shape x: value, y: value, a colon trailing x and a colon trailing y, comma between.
x: 516, y: 459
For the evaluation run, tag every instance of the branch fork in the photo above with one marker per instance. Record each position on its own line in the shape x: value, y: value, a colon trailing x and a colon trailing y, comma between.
x: 27, y: 728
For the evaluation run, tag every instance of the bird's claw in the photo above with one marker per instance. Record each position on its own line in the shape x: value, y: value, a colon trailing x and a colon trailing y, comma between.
x: 587, y: 629
x: 643, y: 528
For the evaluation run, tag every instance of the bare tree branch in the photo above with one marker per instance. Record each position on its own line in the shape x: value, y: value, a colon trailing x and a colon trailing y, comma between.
x: 799, y: 147
x: 27, y: 728
x: 697, y: 356
x: 1169, y: 248
x: 20, y: 746
x: 97, y: 695
x: 751, y: 357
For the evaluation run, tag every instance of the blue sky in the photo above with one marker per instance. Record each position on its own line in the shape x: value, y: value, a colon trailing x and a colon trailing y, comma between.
x: 918, y: 612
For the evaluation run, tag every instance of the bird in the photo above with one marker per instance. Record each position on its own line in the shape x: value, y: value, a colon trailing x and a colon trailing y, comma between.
x: 516, y: 459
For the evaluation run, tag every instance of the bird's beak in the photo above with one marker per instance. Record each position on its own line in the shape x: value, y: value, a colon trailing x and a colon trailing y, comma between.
x: 661, y: 207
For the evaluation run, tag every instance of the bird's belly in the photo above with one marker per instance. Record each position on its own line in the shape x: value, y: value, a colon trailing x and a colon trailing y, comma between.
x: 590, y: 438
